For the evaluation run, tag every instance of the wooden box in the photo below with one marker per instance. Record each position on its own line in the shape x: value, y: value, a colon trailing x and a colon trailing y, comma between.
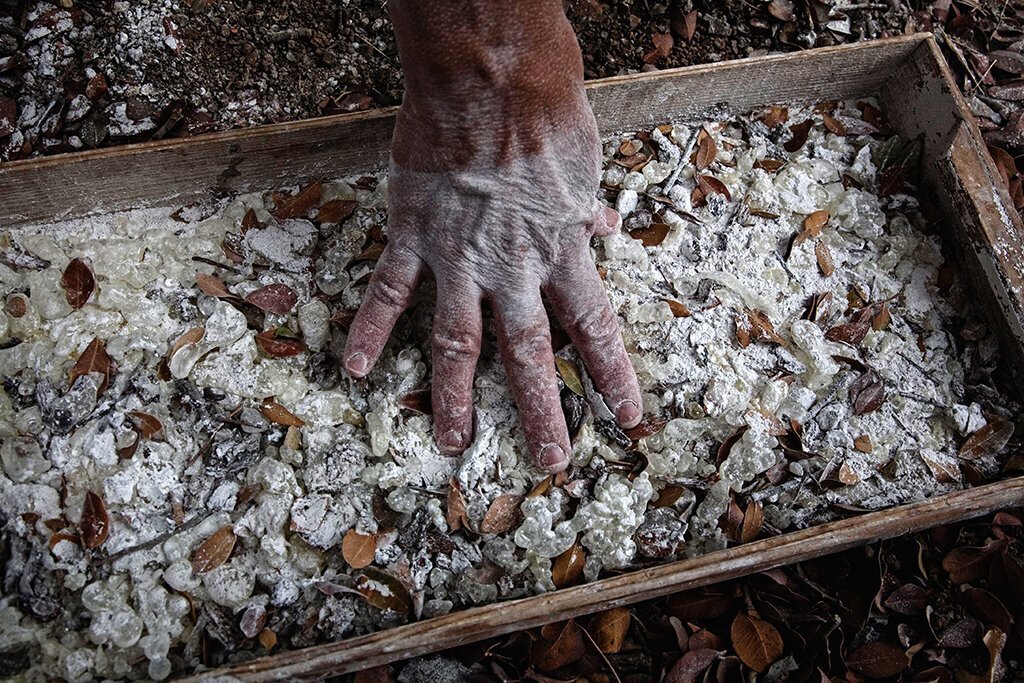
x: 907, y: 75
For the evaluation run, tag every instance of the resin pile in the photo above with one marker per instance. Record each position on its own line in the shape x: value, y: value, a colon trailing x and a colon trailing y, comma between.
x: 188, y: 479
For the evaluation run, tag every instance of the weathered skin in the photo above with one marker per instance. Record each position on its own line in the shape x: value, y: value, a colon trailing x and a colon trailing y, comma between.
x: 495, y: 164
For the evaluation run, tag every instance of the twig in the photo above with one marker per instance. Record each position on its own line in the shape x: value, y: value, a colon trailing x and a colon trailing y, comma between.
x: 153, y: 542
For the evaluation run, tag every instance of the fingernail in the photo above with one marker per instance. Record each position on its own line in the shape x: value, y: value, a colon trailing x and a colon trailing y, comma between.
x: 552, y: 458
x: 356, y: 364
x: 612, y: 218
x: 628, y: 414
x: 453, y: 440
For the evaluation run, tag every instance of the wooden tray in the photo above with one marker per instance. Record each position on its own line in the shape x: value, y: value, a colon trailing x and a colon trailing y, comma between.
x: 906, y: 74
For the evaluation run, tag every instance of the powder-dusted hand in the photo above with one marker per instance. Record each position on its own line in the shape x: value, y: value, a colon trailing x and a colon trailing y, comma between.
x: 492, y: 189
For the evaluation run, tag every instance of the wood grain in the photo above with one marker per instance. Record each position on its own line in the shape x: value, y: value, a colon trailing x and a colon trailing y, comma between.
x: 494, y: 620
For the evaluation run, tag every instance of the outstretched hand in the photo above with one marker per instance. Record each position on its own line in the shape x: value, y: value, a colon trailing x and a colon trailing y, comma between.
x: 502, y: 209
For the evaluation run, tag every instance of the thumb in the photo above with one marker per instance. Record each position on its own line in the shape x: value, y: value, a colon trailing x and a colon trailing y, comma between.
x: 607, y: 221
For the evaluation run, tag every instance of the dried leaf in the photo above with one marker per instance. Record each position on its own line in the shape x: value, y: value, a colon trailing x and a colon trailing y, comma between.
x: 687, y: 28
x: 970, y: 563
x: 456, y: 515
x: 648, y: 426
x: 707, y: 152
x: 609, y: 629
x: 878, y: 659
x: 851, y: 333
x: 336, y: 210
x: 208, y: 284
x: 542, y: 487
x: 278, y: 414
x: 250, y: 221
x: 783, y: 10
x: 799, y: 133
x: 419, y: 401
x: 358, y: 549
x: 753, y: 520
x: 561, y: 644
x: 502, y: 515
x: 278, y: 347
x: 987, y: 441
x: 651, y: 236
x: 570, y: 375
x: 276, y: 298
x: 678, y: 308
x: 267, y: 638
x: 824, y: 256
x: 944, y: 473
x: 775, y: 115
x: 567, y: 569
x: 761, y: 328
x: 771, y: 166
x: 95, y: 525
x: 79, y: 283
x: 710, y: 185
x: 692, y: 665
x: 147, y: 426
x: 863, y: 444
x: 870, y: 399
x: 757, y: 642
x: 700, y: 605
x: 834, y: 125
x: 214, y: 551
x: 909, y: 599
x: 663, y: 43
x: 93, y: 359
x: 384, y: 591
x: 299, y: 204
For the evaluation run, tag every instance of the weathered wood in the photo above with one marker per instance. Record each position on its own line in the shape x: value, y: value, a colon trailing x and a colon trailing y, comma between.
x: 985, y: 234
x: 498, y: 619
x: 178, y: 172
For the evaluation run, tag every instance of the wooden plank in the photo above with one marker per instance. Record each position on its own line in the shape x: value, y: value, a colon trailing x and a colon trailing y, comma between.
x: 985, y: 233
x: 178, y: 172
x: 494, y: 620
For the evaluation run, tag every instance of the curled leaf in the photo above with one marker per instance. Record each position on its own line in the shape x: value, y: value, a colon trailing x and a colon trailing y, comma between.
x: 567, y: 569
x: 278, y: 414
x: 570, y: 375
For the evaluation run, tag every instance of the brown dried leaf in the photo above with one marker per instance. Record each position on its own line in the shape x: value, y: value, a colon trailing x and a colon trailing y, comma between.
x: 336, y: 210
x: 192, y: 336
x: 214, y: 551
x: 663, y: 43
x: 147, y: 426
x: 250, y: 221
x: 878, y: 659
x: 96, y: 89
x: 762, y: 329
x: 299, y: 204
x: 710, y: 185
x: 542, y: 487
x: 692, y: 665
x: 944, y: 473
x: 834, y: 125
x: 267, y: 638
x: 95, y: 525
x: 863, y: 444
x: 278, y: 347
x: 502, y: 515
x: 609, y: 629
x: 276, y: 298
x: 651, y: 236
x: 753, y: 520
x: 770, y: 165
x: 757, y: 643
x: 799, y: 133
x: 208, y: 284
x: 824, y: 256
x: 561, y: 645
x: 969, y: 563
x: 783, y: 10
x: 707, y: 152
x: 79, y: 283
x: 358, y: 549
x: 456, y: 515
x: 870, y: 399
x: 987, y: 441
x: 419, y: 401
x: 567, y: 569
x: 815, y: 222
x: 678, y: 308
x: 852, y: 333
x: 384, y: 591
x: 648, y: 426
x: 775, y: 115
x: 278, y: 414
x: 93, y: 359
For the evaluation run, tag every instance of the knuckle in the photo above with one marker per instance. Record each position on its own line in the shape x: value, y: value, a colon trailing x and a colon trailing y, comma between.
x: 455, y: 344
x: 527, y: 347
x: 598, y: 325
x: 394, y: 293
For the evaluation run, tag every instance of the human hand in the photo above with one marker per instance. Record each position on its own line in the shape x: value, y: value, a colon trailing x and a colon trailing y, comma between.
x: 498, y: 199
